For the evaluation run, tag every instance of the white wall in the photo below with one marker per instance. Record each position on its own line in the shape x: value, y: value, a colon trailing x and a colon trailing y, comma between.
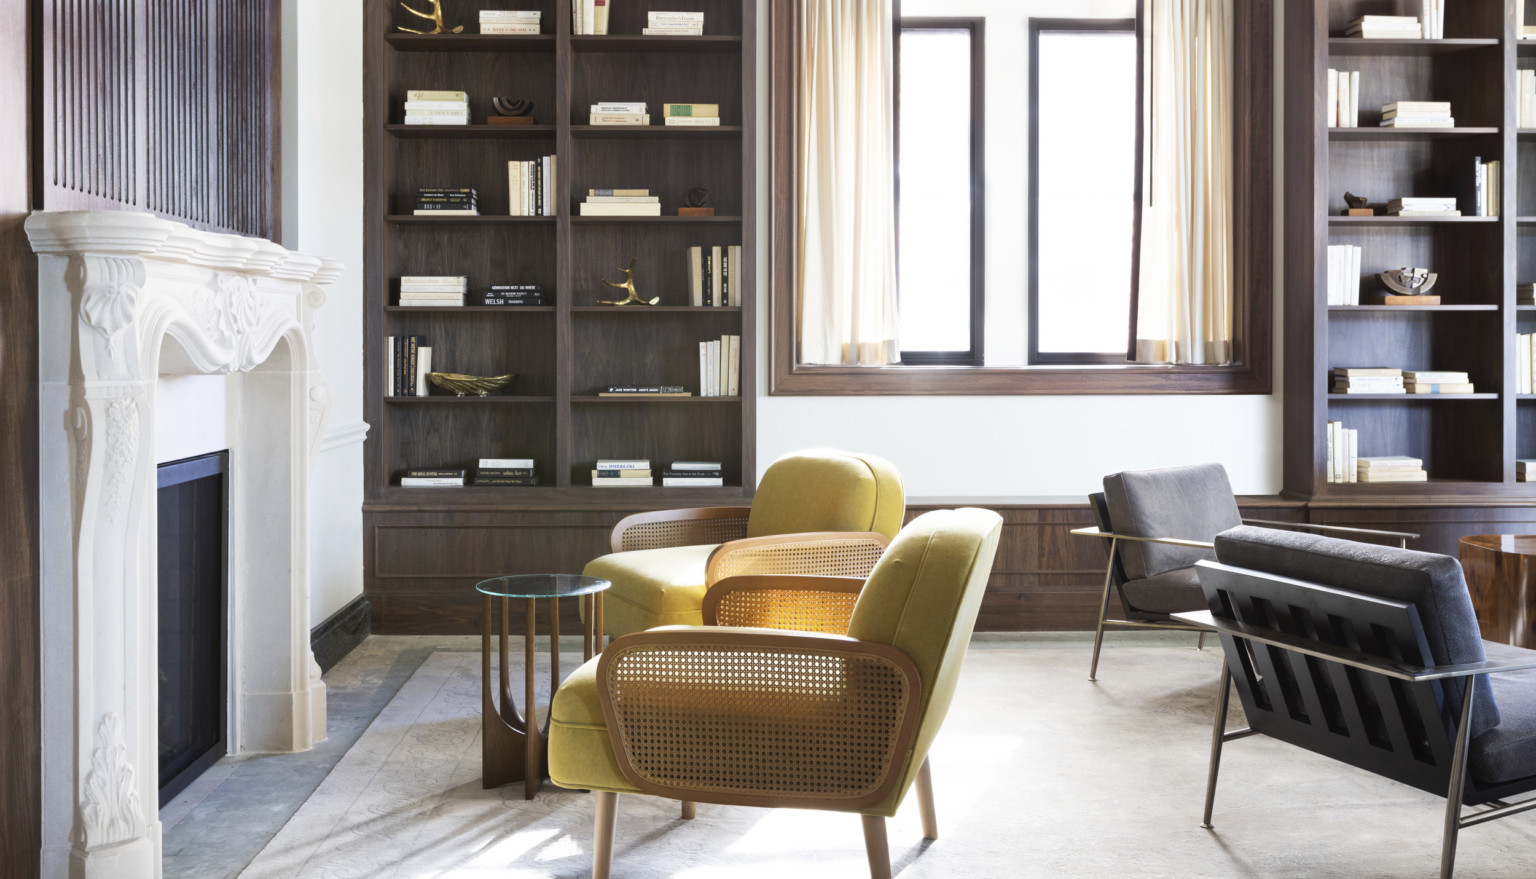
x: 182, y: 428
x: 322, y: 130
x: 1018, y: 446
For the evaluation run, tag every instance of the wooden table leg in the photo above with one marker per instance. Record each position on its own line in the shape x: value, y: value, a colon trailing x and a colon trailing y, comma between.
x: 597, y: 599
x: 554, y: 650
x: 533, y: 773
x: 501, y: 737
x: 589, y: 621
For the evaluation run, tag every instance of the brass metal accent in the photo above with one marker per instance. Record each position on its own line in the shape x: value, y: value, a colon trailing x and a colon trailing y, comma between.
x: 464, y: 385
x: 629, y: 284
x: 435, y: 16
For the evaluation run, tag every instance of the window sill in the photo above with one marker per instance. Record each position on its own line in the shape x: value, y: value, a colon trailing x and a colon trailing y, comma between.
x: 1068, y: 380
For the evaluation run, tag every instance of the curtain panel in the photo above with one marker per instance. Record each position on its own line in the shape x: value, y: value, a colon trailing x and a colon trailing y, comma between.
x: 1183, y: 308
x: 845, y: 162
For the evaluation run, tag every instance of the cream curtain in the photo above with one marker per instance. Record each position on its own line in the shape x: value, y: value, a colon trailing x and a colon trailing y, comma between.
x: 846, y: 289
x: 1184, y: 301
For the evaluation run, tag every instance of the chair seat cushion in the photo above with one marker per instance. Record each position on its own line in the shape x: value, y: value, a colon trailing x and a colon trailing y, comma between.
x: 580, y: 755
x: 1172, y: 591
x: 1508, y: 751
x: 652, y: 587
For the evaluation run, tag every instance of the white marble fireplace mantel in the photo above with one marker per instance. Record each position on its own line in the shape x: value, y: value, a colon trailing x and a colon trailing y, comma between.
x: 124, y: 298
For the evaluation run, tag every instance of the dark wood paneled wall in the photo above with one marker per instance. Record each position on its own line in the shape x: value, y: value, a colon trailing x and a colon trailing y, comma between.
x: 163, y: 105
x: 20, y: 722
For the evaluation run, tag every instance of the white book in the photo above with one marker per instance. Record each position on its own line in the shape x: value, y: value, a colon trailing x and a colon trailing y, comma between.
x: 1523, y: 365
x: 703, y: 368
x: 696, y: 121
x: 389, y: 367
x: 695, y: 465
x: 691, y: 481
x: 1332, y: 468
x: 619, y: 119
x: 696, y: 276
x: 486, y: 28
x: 423, y: 368
x: 733, y: 382
x: 620, y: 107
x: 506, y: 463
x: 434, y: 95
x: 514, y: 189
x: 510, y: 14
x: 588, y: 17
x: 620, y: 210
x: 430, y: 481
x: 672, y: 32
x: 425, y: 113
x: 655, y: 16
x: 1354, y: 276
x: 1333, y: 98
x: 434, y: 279
x: 623, y: 464
x: 725, y: 366
x: 734, y: 276
x: 1354, y: 99
x: 1354, y: 454
x: 448, y: 106
x: 623, y: 199
x: 436, y: 120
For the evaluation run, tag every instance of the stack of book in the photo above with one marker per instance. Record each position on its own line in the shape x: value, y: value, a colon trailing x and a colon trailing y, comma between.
x: 1525, y: 294
x: 510, y: 21
x: 531, y: 188
x: 620, y: 203
x: 619, y: 113
x: 445, y: 202
x: 1486, y: 188
x: 674, y: 24
x: 432, y: 290
x: 506, y: 471
x: 589, y: 17
x: 514, y: 295
x: 1433, y: 13
x: 1385, y: 27
x: 699, y: 474
x: 1418, y: 381
x: 427, y: 107
x: 1343, y: 98
x: 432, y: 478
x: 1343, y: 274
x: 1392, y: 468
x: 1423, y: 207
x: 690, y: 114
x: 1525, y: 363
x: 407, y: 360
x: 1522, y: 469
x: 664, y: 391
x: 1343, y: 452
x: 1368, y: 380
x: 622, y: 473
x: 1417, y: 114
x: 714, y: 275
x: 720, y: 367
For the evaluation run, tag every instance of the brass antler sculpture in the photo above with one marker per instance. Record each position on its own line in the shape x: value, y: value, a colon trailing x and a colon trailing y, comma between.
x: 629, y: 284
x: 436, y: 17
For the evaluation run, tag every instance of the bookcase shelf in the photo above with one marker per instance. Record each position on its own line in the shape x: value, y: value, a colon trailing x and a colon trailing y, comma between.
x: 562, y: 353
x: 1468, y: 442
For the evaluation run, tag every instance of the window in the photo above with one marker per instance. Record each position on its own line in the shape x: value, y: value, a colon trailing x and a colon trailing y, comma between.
x: 1253, y: 226
x: 1083, y: 189
x: 940, y: 232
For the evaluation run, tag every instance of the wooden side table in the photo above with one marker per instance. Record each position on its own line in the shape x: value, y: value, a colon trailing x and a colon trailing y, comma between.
x: 1501, y: 575
x: 511, y: 743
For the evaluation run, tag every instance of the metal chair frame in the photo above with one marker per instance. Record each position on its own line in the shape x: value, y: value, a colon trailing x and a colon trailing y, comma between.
x: 1114, y: 574
x: 1298, y: 686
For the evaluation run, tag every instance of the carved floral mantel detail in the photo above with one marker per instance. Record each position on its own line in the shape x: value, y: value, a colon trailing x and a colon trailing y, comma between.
x: 123, y: 299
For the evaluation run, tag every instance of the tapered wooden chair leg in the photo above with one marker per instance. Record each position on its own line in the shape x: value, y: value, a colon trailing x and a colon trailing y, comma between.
x: 602, y: 833
x: 690, y: 809
x: 876, y: 846
x: 924, y: 788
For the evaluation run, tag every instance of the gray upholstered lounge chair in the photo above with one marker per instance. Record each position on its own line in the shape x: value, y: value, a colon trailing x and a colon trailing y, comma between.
x: 1364, y: 654
x: 1158, y: 523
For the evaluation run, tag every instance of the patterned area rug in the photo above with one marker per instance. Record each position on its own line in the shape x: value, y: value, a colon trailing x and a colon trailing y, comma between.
x: 1037, y: 773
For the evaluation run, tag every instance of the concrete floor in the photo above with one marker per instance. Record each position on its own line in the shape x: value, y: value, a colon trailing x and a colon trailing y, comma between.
x: 1037, y: 773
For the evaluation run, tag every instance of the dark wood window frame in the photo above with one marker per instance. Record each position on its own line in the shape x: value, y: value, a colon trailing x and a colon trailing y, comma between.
x: 1251, y: 371
x: 977, y: 27
x: 1071, y: 26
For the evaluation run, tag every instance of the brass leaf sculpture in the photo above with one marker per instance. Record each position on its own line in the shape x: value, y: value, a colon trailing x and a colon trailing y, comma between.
x: 464, y: 385
x: 435, y: 16
x: 629, y: 284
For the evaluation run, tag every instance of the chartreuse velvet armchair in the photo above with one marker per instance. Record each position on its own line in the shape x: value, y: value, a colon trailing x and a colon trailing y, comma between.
x: 815, y: 512
x: 764, y: 717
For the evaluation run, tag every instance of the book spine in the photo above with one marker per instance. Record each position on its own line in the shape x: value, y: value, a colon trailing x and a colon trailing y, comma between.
x: 735, y: 277
x: 1333, y: 98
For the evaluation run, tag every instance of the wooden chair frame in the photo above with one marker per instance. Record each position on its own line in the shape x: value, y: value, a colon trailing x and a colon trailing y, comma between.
x: 1298, y: 686
x: 1115, y: 577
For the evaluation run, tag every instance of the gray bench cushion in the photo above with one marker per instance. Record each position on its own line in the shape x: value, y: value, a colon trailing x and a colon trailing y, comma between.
x: 1169, y: 592
x: 1431, y: 582
x: 1508, y: 751
x: 1191, y: 503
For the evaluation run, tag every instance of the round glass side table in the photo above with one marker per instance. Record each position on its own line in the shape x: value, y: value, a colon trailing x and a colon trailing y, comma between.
x: 511, y: 743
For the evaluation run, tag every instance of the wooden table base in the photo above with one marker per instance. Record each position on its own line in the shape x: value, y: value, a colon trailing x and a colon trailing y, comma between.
x: 512, y: 747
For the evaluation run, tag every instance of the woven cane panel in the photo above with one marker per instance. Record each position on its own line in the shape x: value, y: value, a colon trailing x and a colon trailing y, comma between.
x: 765, y: 722
x: 801, y: 610
x: 830, y: 558
x: 682, y: 532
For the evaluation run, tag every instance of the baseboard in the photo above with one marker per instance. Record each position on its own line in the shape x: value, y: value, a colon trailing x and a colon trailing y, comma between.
x: 343, y: 630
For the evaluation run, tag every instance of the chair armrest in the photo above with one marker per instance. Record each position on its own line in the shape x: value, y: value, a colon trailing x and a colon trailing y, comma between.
x: 783, y: 601
x: 1334, y: 529
x: 828, y: 553
x: 757, y: 717
x: 1344, y: 655
x: 1172, y: 541
x: 691, y: 527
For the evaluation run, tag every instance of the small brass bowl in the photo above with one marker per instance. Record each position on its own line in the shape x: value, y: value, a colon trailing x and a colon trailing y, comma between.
x: 464, y: 385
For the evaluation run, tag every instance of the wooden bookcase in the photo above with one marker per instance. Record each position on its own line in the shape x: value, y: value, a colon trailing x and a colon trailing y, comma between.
x: 1469, y: 444
x: 565, y: 353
